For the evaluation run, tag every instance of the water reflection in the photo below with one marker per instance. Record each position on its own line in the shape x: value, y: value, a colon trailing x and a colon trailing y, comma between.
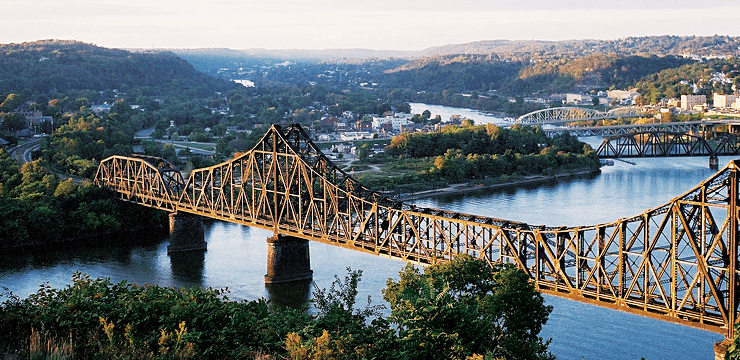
x: 187, y: 267
x: 294, y: 294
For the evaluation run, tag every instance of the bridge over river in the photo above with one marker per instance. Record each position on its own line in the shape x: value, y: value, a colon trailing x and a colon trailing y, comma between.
x: 677, y: 262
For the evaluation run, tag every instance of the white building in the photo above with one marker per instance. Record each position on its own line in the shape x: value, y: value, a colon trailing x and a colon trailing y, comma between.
x: 689, y: 101
x: 396, y: 121
x: 576, y: 99
x: 622, y: 95
x: 356, y: 135
x: 736, y: 104
x: 723, y: 101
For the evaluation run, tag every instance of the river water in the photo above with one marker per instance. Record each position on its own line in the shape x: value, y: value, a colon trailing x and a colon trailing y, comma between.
x: 236, y: 258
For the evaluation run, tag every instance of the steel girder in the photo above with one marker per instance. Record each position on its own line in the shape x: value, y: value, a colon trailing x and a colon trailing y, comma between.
x: 677, y: 262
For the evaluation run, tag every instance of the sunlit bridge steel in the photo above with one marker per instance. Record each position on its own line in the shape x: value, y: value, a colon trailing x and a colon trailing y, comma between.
x: 677, y: 262
x: 574, y: 114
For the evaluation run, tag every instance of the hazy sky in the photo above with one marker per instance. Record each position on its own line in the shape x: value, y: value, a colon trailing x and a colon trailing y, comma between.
x: 374, y: 24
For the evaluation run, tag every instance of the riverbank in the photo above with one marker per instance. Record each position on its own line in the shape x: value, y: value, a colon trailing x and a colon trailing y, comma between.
x: 467, y: 187
x: 130, y: 236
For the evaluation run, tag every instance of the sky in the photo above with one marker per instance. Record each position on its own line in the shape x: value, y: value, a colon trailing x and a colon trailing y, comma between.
x: 349, y: 24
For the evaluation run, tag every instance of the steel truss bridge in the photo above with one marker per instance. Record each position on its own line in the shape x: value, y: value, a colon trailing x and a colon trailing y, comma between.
x: 573, y: 114
x: 677, y: 262
x: 693, y: 127
x: 666, y: 143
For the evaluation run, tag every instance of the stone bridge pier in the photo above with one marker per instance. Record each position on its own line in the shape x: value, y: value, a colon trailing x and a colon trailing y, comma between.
x: 186, y: 233
x: 288, y: 259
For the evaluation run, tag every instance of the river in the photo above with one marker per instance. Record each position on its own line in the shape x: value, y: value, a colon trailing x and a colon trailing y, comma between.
x: 236, y: 258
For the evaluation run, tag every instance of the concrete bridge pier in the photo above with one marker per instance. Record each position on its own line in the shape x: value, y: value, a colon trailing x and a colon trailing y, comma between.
x: 713, y: 162
x: 288, y: 259
x: 186, y: 233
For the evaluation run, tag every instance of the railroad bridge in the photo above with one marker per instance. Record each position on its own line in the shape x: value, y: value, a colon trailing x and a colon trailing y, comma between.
x: 677, y: 262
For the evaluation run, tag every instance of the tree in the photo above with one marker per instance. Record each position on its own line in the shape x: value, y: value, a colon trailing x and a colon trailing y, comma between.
x: 13, y: 122
x: 464, y: 307
x: 364, y: 151
x: 404, y: 108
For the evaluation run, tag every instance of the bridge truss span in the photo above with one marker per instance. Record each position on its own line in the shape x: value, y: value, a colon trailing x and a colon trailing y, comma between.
x: 677, y: 262
x: 667, y: 143
x: 573, y: 114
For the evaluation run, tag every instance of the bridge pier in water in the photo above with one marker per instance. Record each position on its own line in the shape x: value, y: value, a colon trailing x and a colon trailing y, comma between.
x: 713, y: 162
x: 288, y: 259
x: 720, y: 349
x: 186, y: 233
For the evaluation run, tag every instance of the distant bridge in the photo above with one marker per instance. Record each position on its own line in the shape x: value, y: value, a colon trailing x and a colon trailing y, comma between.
x: 572, y: 114
x: 666, y: 143
x: 677, y: 262
x: 691, y: 127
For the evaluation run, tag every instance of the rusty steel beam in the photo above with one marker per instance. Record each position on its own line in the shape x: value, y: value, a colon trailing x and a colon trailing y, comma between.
x: 676, y: 262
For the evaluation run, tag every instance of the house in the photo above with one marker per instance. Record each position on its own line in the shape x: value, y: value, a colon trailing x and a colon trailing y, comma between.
x: 363, y: 125
x: 99, y: 109
x: 34, y: 118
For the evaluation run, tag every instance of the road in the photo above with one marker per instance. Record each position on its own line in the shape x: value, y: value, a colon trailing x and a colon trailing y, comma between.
x: 22, y: 152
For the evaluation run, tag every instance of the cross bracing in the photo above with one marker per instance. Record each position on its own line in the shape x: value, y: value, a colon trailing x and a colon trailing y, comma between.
x: 677, y: 262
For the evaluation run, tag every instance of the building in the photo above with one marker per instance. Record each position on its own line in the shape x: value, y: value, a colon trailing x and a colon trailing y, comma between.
x: 688, y: 102
x: 723, y: 101
x: 736, y: 104
x: 99, y: 109
x: 34, y: 118
x: 356, y: 135
x: 577, y: 99
x: 396, y: 121
x: 622, y: 96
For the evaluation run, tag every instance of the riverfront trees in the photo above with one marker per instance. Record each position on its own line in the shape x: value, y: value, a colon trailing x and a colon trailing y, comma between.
x: 456, y: 310
x: 479, y: 153
x: 37, y: 209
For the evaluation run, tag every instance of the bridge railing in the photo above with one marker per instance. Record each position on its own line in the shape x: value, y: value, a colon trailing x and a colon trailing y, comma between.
x: 677, y: 262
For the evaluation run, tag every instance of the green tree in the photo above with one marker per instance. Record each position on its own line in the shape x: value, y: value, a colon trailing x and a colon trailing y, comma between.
x: 404, y: 108
x: 364, y: 151
x: 464, y: 307
x: 13, y: 122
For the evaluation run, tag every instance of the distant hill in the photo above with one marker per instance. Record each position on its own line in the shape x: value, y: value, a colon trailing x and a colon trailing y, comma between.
x: 505, y: 49
x: 511, y: 66
x: 61, y: 66
x: 648, y: 45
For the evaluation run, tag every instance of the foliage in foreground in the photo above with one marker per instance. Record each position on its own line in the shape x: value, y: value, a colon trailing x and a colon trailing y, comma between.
x: 455, y: 310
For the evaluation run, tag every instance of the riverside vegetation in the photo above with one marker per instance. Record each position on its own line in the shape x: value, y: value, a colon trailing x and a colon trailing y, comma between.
x: 461, y: 309
x: 484, y: 154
